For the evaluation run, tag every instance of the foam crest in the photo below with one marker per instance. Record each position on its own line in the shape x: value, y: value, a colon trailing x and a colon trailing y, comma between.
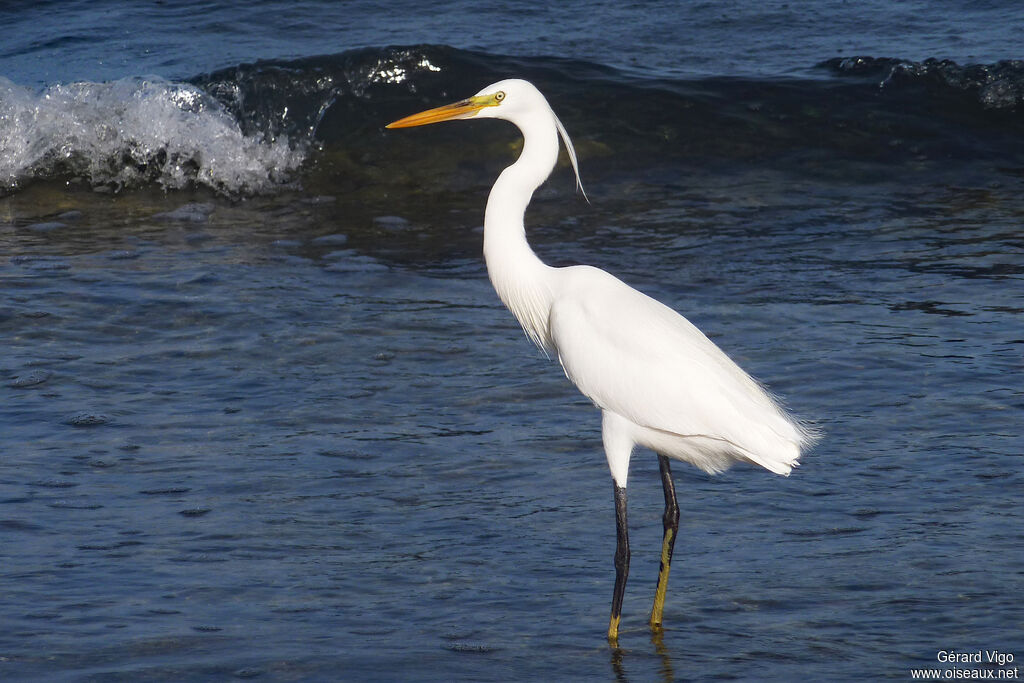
x: 132, y: 132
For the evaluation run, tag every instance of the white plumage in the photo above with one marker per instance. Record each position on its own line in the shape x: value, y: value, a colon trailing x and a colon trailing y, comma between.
x: 658, y: 380
x: 678, y: 393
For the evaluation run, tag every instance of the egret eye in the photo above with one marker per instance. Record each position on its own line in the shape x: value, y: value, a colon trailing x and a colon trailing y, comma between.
x: 499, y: 96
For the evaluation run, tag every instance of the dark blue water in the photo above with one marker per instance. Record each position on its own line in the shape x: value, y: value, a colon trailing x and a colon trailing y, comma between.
x: 263, y: 416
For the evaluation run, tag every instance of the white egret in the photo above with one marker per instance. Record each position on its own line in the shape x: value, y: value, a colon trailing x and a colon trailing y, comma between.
x: 658, y: 381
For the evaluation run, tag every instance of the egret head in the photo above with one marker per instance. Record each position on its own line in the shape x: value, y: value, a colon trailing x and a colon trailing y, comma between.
x: 513, y: 100
x: 500, y: 100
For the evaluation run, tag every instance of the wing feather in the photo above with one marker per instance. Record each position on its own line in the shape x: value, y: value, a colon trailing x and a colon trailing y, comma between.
x: 634, y: 356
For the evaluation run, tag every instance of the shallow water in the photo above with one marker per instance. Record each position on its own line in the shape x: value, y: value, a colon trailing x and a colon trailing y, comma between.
x: 294, y: 435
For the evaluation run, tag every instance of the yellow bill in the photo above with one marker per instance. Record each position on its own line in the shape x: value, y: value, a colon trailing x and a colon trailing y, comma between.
x: 462, y: 109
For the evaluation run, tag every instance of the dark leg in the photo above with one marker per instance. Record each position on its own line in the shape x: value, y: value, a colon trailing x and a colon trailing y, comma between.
x: 671, y: 523
x: 621, y: 563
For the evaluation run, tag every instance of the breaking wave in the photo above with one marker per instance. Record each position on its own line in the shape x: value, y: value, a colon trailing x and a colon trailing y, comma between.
x: 257, y: 128
x: 136, y: 131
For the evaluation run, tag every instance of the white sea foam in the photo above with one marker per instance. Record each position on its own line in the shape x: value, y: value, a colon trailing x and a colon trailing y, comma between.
x: 135, y: 131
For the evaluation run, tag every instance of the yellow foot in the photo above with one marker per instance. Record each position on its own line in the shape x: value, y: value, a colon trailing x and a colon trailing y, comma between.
x: 659, y: 595
x: 613, y: 631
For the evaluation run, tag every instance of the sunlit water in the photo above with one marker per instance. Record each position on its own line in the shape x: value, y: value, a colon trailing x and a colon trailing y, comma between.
x: 295, y: 436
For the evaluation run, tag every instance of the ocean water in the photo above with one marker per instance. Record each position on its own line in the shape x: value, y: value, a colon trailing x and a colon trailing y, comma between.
x: 264, y: 418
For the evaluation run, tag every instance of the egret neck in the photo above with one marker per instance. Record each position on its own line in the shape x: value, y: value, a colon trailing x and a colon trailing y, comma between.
x: 523, y: 281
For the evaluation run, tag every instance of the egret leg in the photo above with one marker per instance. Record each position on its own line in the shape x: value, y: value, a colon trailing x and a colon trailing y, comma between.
x: 621, y: 563
x: 670, y: 520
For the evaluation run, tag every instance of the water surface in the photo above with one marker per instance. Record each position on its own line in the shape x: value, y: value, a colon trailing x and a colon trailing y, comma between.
x: 264, y: 417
